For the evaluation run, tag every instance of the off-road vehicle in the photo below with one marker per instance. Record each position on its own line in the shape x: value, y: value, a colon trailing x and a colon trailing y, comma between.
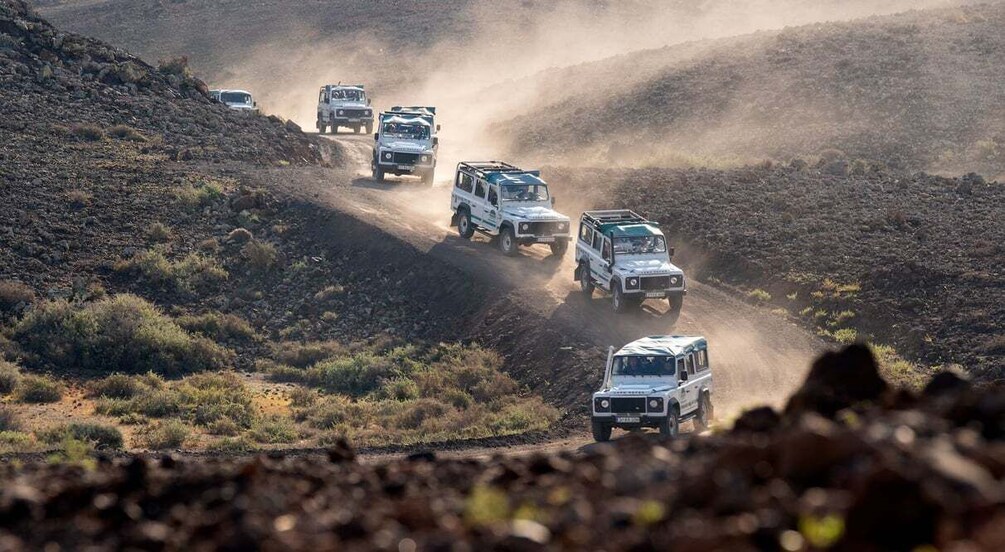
x: 626, y: 255
x: 344, y: 105
x: 508, y: 204
x: 238, y: 100
x: 657, y: 382
x: 405, y: 144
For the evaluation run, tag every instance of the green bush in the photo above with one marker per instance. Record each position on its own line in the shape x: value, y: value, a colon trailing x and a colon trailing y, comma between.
x: 9, y: 418
x: 759, y: 296
x: 232, y: 445
x: 302, y: 355
x: 38, y: 389
x: 274, y: 430
x: 123, y: 132
x: 219, y: 326
x: 97, y: 435
x: 400, y: 389
x: 224, y: 426
x: 193, y: 273
x: 13, y: 294
x: 16, y: 441
x: 9, y: 376
x: 168, y: 434
x: 301, y: 397
x: 116, y: 386
x: 87, y: 133
x: 261, y: 256
x: 123, y: 334
x: 159, y: 232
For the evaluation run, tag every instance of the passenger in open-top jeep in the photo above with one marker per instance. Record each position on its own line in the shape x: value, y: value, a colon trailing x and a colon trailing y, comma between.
x: 344, y: 105
x: 508, y: 204
x: 627, y: 256
x: 405, y: 144
x: 656, y: 382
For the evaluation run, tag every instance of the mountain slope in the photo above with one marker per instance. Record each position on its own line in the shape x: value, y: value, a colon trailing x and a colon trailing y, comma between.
x: 919, y: 90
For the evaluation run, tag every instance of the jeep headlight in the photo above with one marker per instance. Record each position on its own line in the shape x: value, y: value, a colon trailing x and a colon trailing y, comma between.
x: 563, y: 226
x: 632, y: 283
x: 524, y: 227
x: 387, y: 155
x: 425, y: 159
x: 602, y: 404
x: 655, y: 404
x: 340, y: 112
x: 369, y: 113
x: 675, y: 281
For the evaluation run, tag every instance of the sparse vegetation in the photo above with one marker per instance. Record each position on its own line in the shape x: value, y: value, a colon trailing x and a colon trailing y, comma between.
x: 159, y: 232
x: 128, y: 133
x: 124, y: 334
x: 759, y: 296
x: 13, y: 294
x: 87, y: 133
x: 261, y: 256
x: 201, y: 399
x: 10, y: 375
x: 194, y: 272
x: 274, y: 430
x: 9, y: 419
x: 167, y: 434
x: 219, y: 326
x: 33, y: 388
x: 101, y: 437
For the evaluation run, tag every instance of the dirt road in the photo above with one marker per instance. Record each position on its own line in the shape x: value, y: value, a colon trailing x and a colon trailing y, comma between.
x: 759, y: 357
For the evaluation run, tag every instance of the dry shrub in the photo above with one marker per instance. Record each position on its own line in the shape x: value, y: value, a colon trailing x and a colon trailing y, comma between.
x: 9, y: 418
x: 9, y: 376
x: 123, y: 132
x: 38, y: 389
x: 168, y: 434
x: 261, y: 256
x: 13, y: 295
x: 87, y: 133
x: 219, y: 326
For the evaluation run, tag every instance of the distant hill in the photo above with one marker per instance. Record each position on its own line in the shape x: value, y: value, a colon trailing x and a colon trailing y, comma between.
x: 920, y: 90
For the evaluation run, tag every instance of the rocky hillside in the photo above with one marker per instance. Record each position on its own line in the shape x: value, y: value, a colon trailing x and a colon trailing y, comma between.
x: 912, y: 261
x: 850, y: 464
x: 920, y: 90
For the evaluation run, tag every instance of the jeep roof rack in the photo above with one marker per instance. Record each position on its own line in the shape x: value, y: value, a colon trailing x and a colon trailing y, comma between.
x: 483, y: 168
x: 414, y: 108
x: 614, y: 216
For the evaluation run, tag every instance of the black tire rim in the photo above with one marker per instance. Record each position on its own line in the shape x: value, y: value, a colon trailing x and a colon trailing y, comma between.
x: 464, y: 224
x: 507, y: 242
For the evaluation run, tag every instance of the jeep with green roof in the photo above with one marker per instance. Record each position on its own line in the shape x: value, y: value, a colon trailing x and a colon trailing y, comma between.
x: 657, y: 382
x: 508, y: 204
x: 625, y: 255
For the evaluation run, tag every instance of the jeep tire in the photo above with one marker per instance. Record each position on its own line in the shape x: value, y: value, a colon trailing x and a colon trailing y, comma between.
x: 558, y: 248
x: 378, y: 173
x: 703, y: 419
x: 464, y: 227
x: 670, y: 426
x: 676, y: 303
x: 507, y: 242
x: 321, y: 127
x: 601, y: 432
x: 369, y: 128
x: 585, y: 279
x: 619, y: 302
x: 334, y: 128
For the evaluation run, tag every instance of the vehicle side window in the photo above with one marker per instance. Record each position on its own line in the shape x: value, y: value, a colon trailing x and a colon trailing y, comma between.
x: 493, y: 196
x: 607, y: 250
x: 480, y: 189
x: 598, y: 240
x: 702, y: 359
x: 690, y: 365
x: 585, y: 233
x: 680, y: 367
x: 321, y: 97
x: 465, y: 182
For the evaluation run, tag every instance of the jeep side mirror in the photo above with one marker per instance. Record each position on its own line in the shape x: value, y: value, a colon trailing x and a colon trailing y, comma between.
x: 671, y: 251
x: 368, y: 101
x: 683, y: 375
x: 552, y: 201
x: 376, y: 136
x: 437, y: 128
x: 436, y: 141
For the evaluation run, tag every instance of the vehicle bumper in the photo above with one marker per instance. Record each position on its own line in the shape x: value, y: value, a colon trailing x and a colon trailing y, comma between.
x: 649, y: 419
x: 655, y: 293
x: 527, y: 240
x: 347, y: 121
x: 395, y: 168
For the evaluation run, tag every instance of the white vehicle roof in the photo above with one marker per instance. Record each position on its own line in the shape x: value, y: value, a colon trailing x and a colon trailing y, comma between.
x: 238, y: 91
x: 660, y: 345
x: 400, y: 119
x: 344, y: 86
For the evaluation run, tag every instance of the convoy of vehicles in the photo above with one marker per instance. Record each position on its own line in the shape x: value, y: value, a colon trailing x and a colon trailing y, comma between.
x: 511, y: 205
x: 656, y: 382
x: 344, y: 105
x: 405, y: 144
x: 627, y: 256
x: 238, y: 100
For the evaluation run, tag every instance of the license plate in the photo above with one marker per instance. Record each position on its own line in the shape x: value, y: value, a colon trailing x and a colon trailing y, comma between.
x: 353, y: 120
x: 404, y: 167
x: 628, y: 419
x: 546, y: 240
x: 653, y: 294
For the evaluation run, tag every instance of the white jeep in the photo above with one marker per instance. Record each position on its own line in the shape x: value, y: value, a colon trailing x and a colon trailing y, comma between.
x: 344, y: 105
x: 508, y: 204
x: 238, y: 100
x: 656, y: 382
x: 627, y: 256
x: 405, y: 144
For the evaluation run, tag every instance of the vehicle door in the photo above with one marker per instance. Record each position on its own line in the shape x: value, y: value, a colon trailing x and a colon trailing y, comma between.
x: 605, y: 268
x: 494, y: 214
x: 464, y: 188
x: 322, y: 100
x: 688, y: 386
x: 479, y: 204
x: 584, y: 243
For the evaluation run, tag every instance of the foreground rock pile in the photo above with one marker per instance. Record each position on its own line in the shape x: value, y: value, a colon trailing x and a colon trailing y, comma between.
x: 848, y: 465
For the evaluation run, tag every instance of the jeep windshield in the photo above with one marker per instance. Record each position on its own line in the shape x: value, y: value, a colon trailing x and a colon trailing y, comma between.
x: 348, y: 95
x: 639, y: 245
x: 524, y: 192
x: 406, y: 131
x: 644, y: 366
x: 239, y: 98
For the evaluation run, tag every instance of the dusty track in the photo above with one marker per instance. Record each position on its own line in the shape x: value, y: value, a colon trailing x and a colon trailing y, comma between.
x: 759, y: 357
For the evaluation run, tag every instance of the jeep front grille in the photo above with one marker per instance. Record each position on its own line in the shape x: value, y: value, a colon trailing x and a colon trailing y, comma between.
x: 546, y: 228
x: 405, y: 158
x: 353, y: 113
x: 626, y: 405
x: 656, y: 282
